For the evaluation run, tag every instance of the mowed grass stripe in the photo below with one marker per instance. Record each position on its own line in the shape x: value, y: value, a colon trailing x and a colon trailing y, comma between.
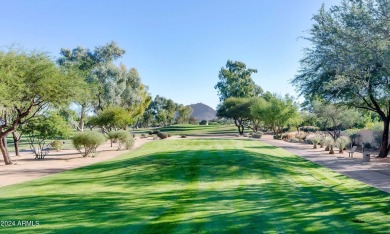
x: 198, y: 186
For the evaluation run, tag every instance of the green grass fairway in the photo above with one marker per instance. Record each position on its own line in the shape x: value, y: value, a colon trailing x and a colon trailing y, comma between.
x: 198, y: 186
x: 189, y: 129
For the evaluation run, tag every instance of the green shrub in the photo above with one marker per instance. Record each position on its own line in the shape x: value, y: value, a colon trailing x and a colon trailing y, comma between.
x: 341, y: 142
x: 57, y: 145
x: 300, y: 136
x: 377, y: 132
x: 329, y: 143
x: 294, y: 140
x: 162, y: 135
x: 87, y: 142
x: 204, y: 122
x: 314, y: 139
x: 257, y: 135
x: 122, y: 138
x: 308, y: 129
x: 353, y: 134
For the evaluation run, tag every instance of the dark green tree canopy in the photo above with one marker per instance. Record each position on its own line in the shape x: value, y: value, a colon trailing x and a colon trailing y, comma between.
x: 235, y: 81
x: 349, y: 60
x: 237, y: 109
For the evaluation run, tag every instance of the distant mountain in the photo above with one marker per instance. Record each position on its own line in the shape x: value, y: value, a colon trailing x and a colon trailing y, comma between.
x: 203, y: 112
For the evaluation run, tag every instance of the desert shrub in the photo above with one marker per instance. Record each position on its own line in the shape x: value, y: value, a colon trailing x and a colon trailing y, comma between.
x: 294, y: 140
x: 287, y: 136
x: 353, y: 134
x: 257, y: 135
x: 367, y: 145
x: 314, y: 139
x: 162, y: 135
x: 300, y: 136
x: 322, y: 140
x: 57, y: 145
x: 87, y: 142
x: 341, y: 142
x: 204, y: 122
x: 329, y: 143
x: 309, y: 129
x: 377, y: 132
x: 122, y: 138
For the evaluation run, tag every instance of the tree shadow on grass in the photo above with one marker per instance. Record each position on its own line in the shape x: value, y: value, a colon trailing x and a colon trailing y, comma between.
x: 192, y: 191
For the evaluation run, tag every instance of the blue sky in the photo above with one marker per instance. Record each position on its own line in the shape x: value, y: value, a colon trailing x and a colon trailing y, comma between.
x: 178, y: 46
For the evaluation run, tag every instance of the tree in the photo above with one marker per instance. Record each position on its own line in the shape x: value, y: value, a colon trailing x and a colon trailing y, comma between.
x: 97, y: 69
x: 235, y: 81
x: 237, y: 109
x: 112, y: 118
x: 258, y: 108
x: 275, y: 111
x: 348, y: 62
x: 184, y: 114
x: 334, y: 119
x: 163, y: 111
x: 41, y: 130
x: 31, y: 82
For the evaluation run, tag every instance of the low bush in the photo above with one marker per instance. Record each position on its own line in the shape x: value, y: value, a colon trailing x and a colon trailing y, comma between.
x: 87, y: 142
x: 309, y: 129
x: 377, y: 131
x: 162, y: 135
x: 257, y: 135
x: 300, y: 136
x: 354, y: 135
x: 342, y: 142
x: 329, y: 143
x: 57, y: 145
x: 122, y: 138
x: 294, y: 140
x: 314, y: 139
x: 204, y: 122
x: 287, y: 136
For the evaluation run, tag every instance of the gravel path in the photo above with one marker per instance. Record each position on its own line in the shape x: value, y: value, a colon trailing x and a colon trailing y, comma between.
x: 27, y: 168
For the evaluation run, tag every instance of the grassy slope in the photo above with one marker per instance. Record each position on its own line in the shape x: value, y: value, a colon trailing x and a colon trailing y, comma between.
x: 191, y: 186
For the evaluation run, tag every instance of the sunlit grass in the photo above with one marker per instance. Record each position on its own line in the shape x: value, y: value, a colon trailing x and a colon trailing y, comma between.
x: 198, y: 186
x: 189, y: 129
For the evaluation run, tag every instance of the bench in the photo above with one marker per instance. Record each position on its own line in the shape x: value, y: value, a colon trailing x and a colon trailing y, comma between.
x: 351, y: 151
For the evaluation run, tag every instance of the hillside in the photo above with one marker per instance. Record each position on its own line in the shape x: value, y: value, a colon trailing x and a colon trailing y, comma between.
x: 203, y: 112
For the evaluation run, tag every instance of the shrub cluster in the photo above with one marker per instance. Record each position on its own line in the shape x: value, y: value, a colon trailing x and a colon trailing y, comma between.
x: 161, y: 135
x: 309, y: 129
x: 122, y: 138
x: 257, y: 135
x: 342, y: 142
x: 88, y: 141
x: 313, y: 139
x: 57, y: 145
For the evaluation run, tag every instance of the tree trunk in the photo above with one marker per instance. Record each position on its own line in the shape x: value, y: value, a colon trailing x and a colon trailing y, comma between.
x: 384, y: 150
x: 16, y: 143
x: 82, y: 119
x: 331, y: 151
x: 4, y: 151
x: 241, y: 130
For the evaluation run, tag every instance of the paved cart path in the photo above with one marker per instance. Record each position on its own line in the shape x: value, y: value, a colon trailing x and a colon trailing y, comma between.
x: 375, y: 173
